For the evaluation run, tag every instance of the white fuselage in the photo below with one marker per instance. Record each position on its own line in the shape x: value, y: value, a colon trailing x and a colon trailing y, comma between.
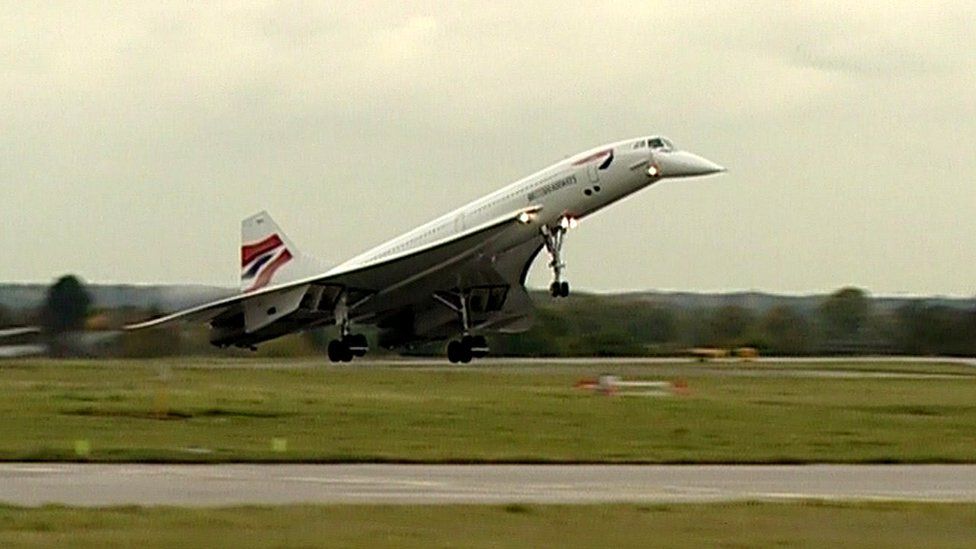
x: 574, y: 188
x: 464, y: 271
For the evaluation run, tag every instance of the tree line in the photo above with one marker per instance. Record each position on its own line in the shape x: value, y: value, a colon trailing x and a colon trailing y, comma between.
x: 846, y: 322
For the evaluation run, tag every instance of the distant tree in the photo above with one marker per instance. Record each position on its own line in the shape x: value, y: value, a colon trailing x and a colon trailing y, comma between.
x: 731, y: 325
x: 843, y: 315
x: 150, y: 343
x: 5, y: 317
x: 549, y: 336
x: 608, y: 342
x: 785, y: 331
x: 66, y: 306
x: 650, y: 324
x: 65, y: 309
x: 885, y: 330
x: 909, y: 335
x: 694, y: 328
x: 933, y: 330
x: 969, y: 323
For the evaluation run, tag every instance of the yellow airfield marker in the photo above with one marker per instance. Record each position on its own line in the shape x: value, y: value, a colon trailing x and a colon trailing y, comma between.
x: 279, y: 445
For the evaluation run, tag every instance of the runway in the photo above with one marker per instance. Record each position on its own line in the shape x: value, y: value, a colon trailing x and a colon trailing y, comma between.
x: 441, y: 363
x: 763, y: 367
x: 32, y: 484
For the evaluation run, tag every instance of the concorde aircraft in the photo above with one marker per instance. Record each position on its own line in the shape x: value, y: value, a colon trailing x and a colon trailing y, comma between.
x: 455, y: 278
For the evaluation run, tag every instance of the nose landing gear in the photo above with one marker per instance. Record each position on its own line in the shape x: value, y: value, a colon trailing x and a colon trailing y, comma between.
x: 553, y: 238
x: 559, y: 289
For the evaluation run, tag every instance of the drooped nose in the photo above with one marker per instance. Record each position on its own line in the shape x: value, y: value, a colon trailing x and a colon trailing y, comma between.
x: 683, y: 164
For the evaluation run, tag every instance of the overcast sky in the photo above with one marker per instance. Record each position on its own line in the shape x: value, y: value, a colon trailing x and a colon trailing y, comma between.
x: 134, y: 139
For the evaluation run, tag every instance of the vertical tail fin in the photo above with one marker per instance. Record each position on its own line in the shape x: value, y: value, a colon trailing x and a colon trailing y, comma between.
x: 267, y: 255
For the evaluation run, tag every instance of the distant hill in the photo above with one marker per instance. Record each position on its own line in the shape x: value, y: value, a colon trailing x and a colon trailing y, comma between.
x: 170, y: 298
x: 761, y: 302
x: 112, y: 296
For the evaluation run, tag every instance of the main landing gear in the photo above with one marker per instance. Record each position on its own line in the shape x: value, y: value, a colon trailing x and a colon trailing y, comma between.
x: 469, y: 346
x: 349, y: 345
x: 553, y: 237
x: 466, y: 348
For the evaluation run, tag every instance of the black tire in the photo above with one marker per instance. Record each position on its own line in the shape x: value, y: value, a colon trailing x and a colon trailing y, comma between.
x: 454, y: 352
x: 336, y: 351
x: 357, y: 344
x: 465, y: 355
x: 564, y: 289
x: 479, y: 346
x: 554, y: 289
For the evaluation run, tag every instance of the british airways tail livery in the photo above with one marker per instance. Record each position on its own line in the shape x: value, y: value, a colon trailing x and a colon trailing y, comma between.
x: 457, y: 277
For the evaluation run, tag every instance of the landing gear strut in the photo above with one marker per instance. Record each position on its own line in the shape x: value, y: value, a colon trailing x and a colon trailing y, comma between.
x: 553, y: 237
x: 469, y: 346
x: 349, y: 345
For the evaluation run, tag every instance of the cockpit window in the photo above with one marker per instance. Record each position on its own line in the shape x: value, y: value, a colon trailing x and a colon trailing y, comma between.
x: 640, y: 144
x: 660, y: 143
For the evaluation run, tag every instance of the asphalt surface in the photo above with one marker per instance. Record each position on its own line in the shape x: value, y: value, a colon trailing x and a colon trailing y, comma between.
x: 32, y: 484
x: 725, y: 367
x: 522, y: 362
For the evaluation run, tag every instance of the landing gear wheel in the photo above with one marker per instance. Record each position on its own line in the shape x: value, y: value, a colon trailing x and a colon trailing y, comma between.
x: 477, y: 344
x: 559, y: 289
x: 357, y: 344
x: 339, y: 351
x: 464, y: 356
x: 468, y: 348
x: 454, y: 352
x: 335, y: 354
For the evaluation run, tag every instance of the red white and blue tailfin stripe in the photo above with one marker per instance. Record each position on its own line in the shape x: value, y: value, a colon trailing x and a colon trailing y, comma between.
x: 260, y: 260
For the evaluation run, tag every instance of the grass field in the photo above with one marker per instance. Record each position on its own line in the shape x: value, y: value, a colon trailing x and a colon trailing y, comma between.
x: 209, y: 411
x: 801, y: 524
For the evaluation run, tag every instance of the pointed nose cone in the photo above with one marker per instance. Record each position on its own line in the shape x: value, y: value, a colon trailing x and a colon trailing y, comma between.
x: 685, y: 164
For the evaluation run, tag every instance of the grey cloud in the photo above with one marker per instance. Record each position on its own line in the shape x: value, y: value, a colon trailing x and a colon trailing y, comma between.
x: 149, y: 129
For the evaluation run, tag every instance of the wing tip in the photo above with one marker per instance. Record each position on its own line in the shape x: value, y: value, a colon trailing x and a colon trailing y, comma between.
x: 152, y: 322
